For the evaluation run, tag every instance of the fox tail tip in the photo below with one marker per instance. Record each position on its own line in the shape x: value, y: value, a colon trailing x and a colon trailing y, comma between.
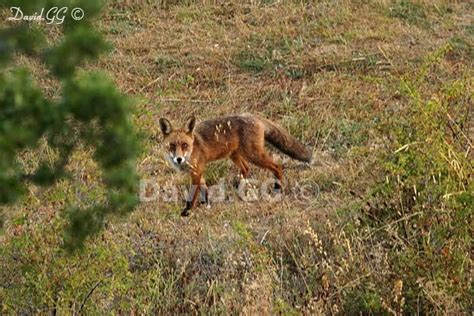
x: 310, y: 160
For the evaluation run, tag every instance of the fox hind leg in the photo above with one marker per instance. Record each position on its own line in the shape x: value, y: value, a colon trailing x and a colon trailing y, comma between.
x: 242, y: 164
x: 265, y: 161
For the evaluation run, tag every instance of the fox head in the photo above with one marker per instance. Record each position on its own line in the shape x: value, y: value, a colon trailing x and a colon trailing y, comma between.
x: 178, y: 143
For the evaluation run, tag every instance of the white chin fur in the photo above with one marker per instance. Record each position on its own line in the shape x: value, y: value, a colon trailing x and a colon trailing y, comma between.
x: 179, y: 167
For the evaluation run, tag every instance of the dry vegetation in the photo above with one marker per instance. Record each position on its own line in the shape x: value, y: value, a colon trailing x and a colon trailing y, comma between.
x: 383, y: 92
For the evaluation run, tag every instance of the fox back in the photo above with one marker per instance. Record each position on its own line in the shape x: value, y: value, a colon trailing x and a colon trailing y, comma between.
x: 221, y: 137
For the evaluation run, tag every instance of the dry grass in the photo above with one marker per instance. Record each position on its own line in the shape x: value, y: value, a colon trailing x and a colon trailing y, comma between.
x: 327, y: 71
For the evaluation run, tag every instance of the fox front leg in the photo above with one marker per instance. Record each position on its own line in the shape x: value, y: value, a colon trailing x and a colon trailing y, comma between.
x: 204, y: 192
x: 193, y: 194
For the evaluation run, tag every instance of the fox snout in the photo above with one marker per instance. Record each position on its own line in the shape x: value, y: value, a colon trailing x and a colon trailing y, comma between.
x: 179, y: 160
x: 178, y: 157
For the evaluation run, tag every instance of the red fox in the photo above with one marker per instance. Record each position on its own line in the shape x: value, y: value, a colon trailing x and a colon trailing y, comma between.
x: 240, y: 137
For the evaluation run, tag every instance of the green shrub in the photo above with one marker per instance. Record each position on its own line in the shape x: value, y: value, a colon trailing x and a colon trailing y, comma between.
x: 423, y: 211
x: 89, y: 111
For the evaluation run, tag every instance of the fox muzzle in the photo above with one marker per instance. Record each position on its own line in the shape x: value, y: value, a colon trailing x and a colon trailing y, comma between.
x: 179, y: 160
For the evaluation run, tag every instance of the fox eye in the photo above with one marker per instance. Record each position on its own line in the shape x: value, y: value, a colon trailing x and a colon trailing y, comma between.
x: 172, y: 147
x: 185, y: 146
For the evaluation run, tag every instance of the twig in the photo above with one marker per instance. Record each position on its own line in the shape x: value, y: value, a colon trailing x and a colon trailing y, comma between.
x: 149, y: 84
x: 184, y: 100
x: 385, y: 55
x: 326, y: 138
x: 264, y: 236
x: 89, y: 294
x: 460, y: 130
x: 405, y: 147
x: 350, y: 284
x: 394, y: 222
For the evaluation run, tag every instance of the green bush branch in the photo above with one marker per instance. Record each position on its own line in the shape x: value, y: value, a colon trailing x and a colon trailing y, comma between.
x: 90, y: 111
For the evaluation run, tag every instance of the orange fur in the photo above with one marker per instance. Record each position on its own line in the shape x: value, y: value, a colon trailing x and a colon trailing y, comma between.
x: 238, y: 137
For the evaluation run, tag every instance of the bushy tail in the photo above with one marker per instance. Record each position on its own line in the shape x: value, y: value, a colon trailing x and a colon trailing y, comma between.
x: 286, y: 143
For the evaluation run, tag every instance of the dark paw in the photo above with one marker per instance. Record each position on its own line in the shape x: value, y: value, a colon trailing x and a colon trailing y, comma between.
x: 185, y: 212
x: 236, y: 183
x: 277, y: 187
x: 204, y: 198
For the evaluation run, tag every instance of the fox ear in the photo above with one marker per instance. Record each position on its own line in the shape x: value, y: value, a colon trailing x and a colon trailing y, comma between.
x: 165, y: 126
x: 190, y: 125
